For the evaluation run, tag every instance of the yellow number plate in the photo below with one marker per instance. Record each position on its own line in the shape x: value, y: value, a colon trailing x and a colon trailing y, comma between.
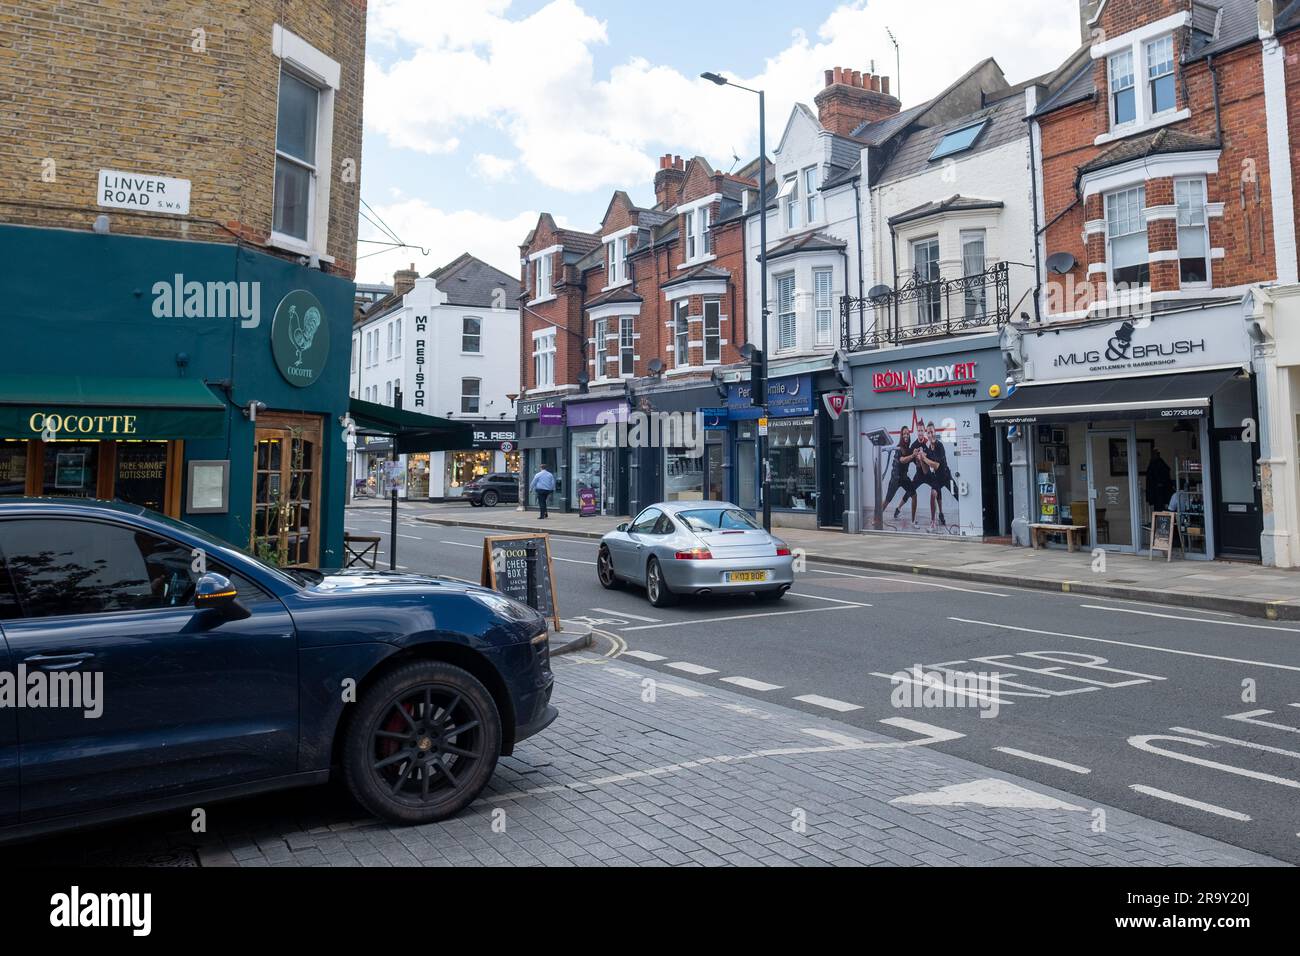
x: 746, y: 576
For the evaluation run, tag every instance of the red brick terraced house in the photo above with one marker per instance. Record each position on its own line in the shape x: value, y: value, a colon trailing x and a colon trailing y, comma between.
x: 642, y: 316
x: 1162, y: 199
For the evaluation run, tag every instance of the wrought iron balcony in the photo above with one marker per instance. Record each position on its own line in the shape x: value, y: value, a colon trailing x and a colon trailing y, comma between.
x: 927, y: 309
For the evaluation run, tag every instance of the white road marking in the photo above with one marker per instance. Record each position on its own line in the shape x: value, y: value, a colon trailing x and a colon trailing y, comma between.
x: 989, y: 792
x: 679, y: 689
x: 462, y: 544
x: 1233, y: 740
x: 634, y: 617
x: 1189, y: 802
x: 931, y: 733
x: 910, y: 580
x: 1050, y: 761
x: 815, y: 597
x: 1199, y: 620
x: 644, y: 656
x: 556, y: 557
x: 750, y: 684
x: 829, y: 703
x: 410, y: 537
x: 1249, y: 718
x: 1143, y: 742
x: 689, y: 668
x: 745, y: 617
x: 1143, y: 647
x: 932, y: 679
x: 843, y: 740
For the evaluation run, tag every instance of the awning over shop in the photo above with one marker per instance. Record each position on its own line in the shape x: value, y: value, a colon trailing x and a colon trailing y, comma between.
x: 1184, y: 395
x: 94, y: 408
x: 414, y: 431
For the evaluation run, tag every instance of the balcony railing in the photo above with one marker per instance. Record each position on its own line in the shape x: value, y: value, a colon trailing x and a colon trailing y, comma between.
x: 927, y: 309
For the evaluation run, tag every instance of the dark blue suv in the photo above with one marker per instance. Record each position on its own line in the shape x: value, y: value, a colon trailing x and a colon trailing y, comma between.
x: 145, y: 665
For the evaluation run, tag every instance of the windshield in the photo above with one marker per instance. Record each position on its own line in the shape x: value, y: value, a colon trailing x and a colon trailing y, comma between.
x: 297, y: 577
x: 718, y: 519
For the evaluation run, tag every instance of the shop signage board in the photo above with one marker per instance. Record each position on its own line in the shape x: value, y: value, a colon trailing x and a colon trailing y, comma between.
x: 786, y: 397
x: 587, y: 503
x: 143, y: 192
x: 551, y: 415
x: 519, y: 566
x: 494, y: 438
x: 1162, y: 534
x: 954, y: 378
x: 300, y: 338
x: 1138, y: 345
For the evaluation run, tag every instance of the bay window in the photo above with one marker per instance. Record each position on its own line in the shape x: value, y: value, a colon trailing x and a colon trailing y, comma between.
x: 786, y: 336
x: 626, y: 345
x: 1193, y: 232
x: 681, y: 335
x: 602, y: 347
x: 1126, y: 238
x: 712, y: 331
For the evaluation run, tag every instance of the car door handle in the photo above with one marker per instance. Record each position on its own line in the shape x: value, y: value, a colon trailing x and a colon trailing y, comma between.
x: 57, y: 662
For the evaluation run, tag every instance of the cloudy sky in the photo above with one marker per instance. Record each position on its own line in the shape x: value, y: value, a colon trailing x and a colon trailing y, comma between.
x: 479, y: 114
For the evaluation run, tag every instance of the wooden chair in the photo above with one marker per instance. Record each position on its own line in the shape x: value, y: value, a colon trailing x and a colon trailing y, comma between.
x: 361, y: 549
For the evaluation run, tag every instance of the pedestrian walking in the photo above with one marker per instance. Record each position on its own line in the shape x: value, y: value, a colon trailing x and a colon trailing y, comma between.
x: 543, y: 484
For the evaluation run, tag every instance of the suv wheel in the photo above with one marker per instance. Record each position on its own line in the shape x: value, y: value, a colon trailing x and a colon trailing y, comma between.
x: 656, y: 588
x: 490, y: 499
x: 422, y: 744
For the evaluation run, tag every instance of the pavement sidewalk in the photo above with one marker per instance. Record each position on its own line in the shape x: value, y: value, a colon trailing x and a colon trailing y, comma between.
x: 1233, y: 587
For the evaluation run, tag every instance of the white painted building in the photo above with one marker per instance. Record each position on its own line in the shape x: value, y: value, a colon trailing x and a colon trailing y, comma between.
x: 449, y: 343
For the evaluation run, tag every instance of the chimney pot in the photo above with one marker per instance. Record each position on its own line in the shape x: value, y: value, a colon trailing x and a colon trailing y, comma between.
x: 857, y: 77
x: 839, y: 74
x: 884, y: 85
x: 875, y: 83
x: 830, y: 77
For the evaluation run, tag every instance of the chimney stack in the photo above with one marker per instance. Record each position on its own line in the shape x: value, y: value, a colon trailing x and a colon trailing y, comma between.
x: 1088, y: 10
x: 404, y: 280
x: 851, y: 98
x: 669, y: 180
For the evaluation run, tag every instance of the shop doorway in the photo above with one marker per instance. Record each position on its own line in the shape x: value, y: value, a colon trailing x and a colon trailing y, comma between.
x: 747, y: 466
x: 286, y: 490
x: 1112, y: 490
x: 1239, y: 513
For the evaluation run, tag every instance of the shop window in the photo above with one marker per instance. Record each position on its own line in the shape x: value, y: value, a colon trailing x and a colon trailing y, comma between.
x: 786, y: 332
x: 626, y: 345
x: 13, y: 468
x: 469, y: 395
x: 792, y: 452
x: 140, y: 474
x: 683, y: 474
x: 70, y: 470
x: 465, y: 466
x: 1193, y: 232
x: 1126, y: 238
x: 471, y: 335
x: 823, y: 311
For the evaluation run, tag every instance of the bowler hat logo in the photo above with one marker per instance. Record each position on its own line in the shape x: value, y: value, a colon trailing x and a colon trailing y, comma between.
x: 300, y: 338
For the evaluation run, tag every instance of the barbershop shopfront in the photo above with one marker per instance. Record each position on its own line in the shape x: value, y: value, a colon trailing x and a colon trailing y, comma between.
x: 201, y: 380
x: 1121, y: 419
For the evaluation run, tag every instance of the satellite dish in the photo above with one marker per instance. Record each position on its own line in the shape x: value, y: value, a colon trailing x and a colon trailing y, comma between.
x: 656, y: 367
x: 583, y: 378
x: 879, y: 292
x: 1061, y: 263
x: 747, y: 351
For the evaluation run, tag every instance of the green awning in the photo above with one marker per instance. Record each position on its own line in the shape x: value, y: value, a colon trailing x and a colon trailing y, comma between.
x: 103, y: 408
x: 414, y: 432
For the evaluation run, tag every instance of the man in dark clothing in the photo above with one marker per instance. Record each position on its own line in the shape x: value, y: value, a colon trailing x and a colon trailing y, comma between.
x: 1160, y: 483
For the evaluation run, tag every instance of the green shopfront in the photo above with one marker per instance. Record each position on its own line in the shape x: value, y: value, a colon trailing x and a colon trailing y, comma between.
x: 203, y: 380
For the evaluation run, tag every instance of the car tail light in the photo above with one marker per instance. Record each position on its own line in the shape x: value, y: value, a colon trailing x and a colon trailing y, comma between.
x: 782, y: 551
x: 695, y: 554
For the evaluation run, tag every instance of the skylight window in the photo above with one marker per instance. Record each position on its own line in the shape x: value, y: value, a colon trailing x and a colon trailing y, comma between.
x: 959, y: 140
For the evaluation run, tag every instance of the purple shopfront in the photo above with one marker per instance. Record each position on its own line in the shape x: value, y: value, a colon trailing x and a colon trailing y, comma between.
x: 595, y: 470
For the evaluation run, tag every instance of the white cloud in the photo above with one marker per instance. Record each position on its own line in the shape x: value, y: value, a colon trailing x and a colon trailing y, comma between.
x: 493, y: 168
x: 452, y: 65
x: 446, y: 234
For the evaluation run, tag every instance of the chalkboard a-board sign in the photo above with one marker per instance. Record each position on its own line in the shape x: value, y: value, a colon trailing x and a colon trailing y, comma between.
x: 519, y: 566
x: 1162, y: 534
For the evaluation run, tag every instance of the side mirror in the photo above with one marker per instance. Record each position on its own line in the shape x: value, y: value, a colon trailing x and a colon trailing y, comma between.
x: 623, y: 527
x: 215, y: 592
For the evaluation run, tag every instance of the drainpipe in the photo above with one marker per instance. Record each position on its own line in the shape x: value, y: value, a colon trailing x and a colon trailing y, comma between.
x: 1038, y: 257
x: 857, y: 210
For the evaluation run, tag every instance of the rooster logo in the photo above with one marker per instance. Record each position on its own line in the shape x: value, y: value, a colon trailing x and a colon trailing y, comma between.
x: 302, y: 330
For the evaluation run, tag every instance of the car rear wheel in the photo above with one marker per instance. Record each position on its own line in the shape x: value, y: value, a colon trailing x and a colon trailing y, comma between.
x: 656, y: 588
x: 422, y: 744
x: 605, y: 570
x: 490, y: 499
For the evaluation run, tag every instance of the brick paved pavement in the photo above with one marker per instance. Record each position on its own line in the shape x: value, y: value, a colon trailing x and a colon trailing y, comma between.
x: 698, y: 776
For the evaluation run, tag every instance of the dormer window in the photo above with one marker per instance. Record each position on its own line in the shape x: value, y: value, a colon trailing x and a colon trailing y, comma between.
x: 1160, y: 74
x: 1123, y: 96
x: 789, y: 194
x: 699, y: 243
x: 810, y: 192
x: 542, y: 277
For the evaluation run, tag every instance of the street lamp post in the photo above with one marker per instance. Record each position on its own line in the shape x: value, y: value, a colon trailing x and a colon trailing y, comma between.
x: 766, y: 465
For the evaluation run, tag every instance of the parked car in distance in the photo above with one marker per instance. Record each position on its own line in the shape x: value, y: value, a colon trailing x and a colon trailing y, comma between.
x: 695, y: 547
x: 224, y: 676
x: 491, y: 490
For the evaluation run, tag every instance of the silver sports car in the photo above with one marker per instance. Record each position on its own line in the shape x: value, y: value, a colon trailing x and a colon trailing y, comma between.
x: 695, y: 547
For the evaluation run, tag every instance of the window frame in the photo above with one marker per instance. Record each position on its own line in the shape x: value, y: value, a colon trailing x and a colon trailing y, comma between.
x: 827, y: 273
x: 1203, y: 226
x: 681, y: 334
x: 1112, y: 91
x: 475, y: 397
x: 713, y: 338
x: 600, y: 336
x: 626, y: 346
x: 782, y: 314
x: 791, y: 211
x: 1140, y: 191
x: 1151, y: 80
x: 811, y: 197
x: 476, y: 335
x: 544, y: 359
